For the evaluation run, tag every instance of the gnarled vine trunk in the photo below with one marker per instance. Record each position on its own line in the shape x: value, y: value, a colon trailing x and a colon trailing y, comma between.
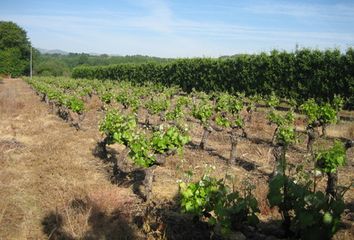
x: 102, y: 148
x: 311, y: 138
x: 324, y: 130
x: 249, y: 114
x: 279, y: 153
x: 206, y: 133
x: 244, y: 133
x: 332, y: 179
x: 64, y: 113
x: 285, y: 210
x: 122, y: 159
x: 52, y: 107
x: 76, y: 119
x: 234, y: 142
x: 349, y: 144
x: 161, y: 158
x: 162, y: 116
x: 274, y: 135
x: 147, y: 120
x: 46, y: 99
x: 147, y: 183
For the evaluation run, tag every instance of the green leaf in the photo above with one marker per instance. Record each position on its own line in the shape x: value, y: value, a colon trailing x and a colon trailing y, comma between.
x: 327, y: 218
x: 306, y: 219
x: 212, y: 221
x: 252, y: 219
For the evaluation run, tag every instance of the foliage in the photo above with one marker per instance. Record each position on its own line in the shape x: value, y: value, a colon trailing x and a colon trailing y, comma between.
x: 44, y: 62
x: 227, y: 109
x: 107, y: 97
x: 311, y: 109
x: 183, y: 101
x: 175, y: 113
x: 75, y: 104
x: 211, y: 197
x: 171, y: 138
x: 286, y: 135
x: 320, y: 114
x: 329, y: 160
x: 327, y: 114
x: 298, y: 75
x: 201, y: 196
x: 273, y: 101
x: 14, y: 49
x: 253, y: 100
x: 118, y: 128
x: 157, y: 104
x: 338, y: 102
x: 51, y: 67
x: 223, y: 102
x: 141, y: 151
x: 11, y: 62
x: 280, y: 120
x: 222, y: 120
x: 235, y: 105
x: 314, y: 215
x: 307, y: 213
x: 123, y: 129
x: 202, y: 111
x: 239, y: 122
x: 128, y: 100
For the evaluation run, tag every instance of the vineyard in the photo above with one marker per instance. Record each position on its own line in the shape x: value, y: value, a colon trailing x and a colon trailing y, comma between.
x: 220, y: 164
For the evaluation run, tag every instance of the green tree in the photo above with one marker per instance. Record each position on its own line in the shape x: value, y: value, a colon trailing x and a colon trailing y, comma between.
x: 52, y: 67
x: 11, y: 63
x: 14, y: 49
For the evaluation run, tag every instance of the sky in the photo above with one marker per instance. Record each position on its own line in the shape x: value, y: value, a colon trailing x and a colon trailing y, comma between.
x: 182, y: 28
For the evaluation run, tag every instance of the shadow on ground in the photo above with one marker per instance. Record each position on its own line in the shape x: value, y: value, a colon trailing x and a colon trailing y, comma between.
x: 121, y: 172
x: 166, y: 221
x: 100, y: 225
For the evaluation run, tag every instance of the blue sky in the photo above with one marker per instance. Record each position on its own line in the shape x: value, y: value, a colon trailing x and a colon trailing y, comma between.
x: 182, y: 28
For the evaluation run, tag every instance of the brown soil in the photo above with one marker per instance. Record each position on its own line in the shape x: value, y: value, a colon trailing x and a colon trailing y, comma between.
x: 54, y: 186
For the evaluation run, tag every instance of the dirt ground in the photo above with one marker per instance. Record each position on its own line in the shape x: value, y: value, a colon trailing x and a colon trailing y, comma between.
x: 54, y: 186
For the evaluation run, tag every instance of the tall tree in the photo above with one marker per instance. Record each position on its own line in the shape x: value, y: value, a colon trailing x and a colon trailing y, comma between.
x: 14, y: 49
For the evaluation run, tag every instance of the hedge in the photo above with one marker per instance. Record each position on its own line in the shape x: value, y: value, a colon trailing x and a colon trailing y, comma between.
x: 298, y: 75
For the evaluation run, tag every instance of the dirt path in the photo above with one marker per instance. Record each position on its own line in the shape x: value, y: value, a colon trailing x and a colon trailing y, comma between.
x: 51, y: 184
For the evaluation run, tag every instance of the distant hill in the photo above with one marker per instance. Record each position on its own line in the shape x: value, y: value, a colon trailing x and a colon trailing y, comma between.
x: 55, y: 51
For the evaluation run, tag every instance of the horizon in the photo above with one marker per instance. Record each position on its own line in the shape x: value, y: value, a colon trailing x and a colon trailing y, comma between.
x: 171, y: 29
x: 65, y: 53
